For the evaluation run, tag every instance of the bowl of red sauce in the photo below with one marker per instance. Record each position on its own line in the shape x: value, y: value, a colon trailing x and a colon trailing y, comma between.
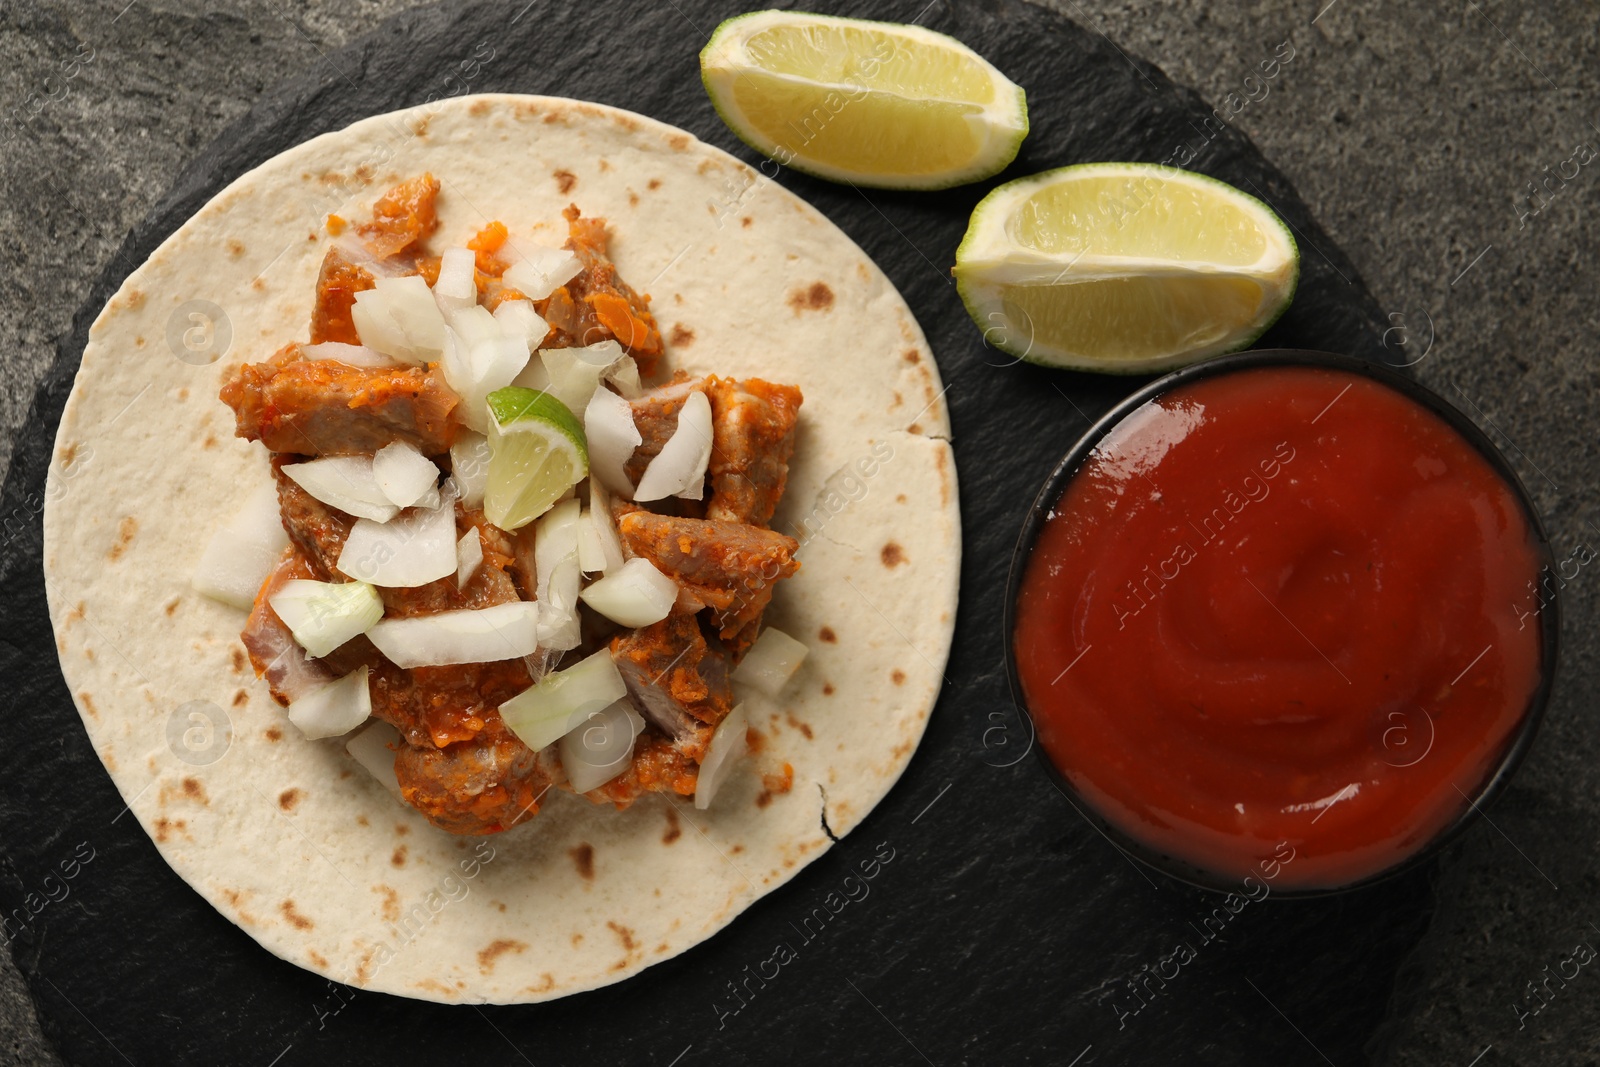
x: 1282, y: 617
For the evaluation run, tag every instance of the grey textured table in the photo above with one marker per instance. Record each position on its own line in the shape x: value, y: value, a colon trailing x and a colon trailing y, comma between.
x: 1418, y: 137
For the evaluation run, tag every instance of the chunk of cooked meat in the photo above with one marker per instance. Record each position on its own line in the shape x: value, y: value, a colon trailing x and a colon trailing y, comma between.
x: 337, y: 285
x: 655, y: 415
x: 489, y: 585
x: 439, y: 706
x: 598, y: 305
x: 402, y: 217
x: 728, y: 567
x: 316, y: 530
x: 321, y: 407
x: 675, y: 678
x: 658, y: 766
x: 752, y: 427
x: 482, y: 786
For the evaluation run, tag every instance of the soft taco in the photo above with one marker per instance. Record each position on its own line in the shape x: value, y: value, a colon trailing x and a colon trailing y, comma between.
x: 505, y: 539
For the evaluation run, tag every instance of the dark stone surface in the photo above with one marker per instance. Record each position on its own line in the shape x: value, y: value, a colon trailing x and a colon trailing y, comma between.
x: 1004, y: 927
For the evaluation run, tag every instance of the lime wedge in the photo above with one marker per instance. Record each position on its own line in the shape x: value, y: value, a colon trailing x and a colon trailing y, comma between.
x: 872, y: 103
x: 1124, y: 267
x: 536, y: 453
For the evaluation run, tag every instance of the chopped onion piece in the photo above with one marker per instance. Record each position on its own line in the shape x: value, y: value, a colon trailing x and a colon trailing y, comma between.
x: 553, y: 705
x: 414, y: 549
x: 679, y: 469
x: 243, y: 551
x: 477, y: 369
x: 481, y: 635
x: 556, y: 566
x: 728, y: 746
x: 400, y: 318
x: 457, y: 287
x: 469, y: 555
x: 474, y: 324
x: 625, y: 376
x: 374, y: 746
x: 469, y: 466
x: 335, y: 708
x: 611, y: 434
x: 533, y: 376
x: 518, y: 319
x: 324, y: 615
x: 591, y: 552
x: 542, y: 271
x: 404, y: 474
x: 771, y: 662
x: 601, y: 746
x: 604, y: 523
x: 344, y: 482
x: 349, y: 355
x: 575, y: 373
x: 635, y: 595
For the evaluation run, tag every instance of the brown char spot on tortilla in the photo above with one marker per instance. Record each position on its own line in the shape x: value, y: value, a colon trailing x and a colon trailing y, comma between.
x: 897, y: 676
x: 273, y: 733
x: 235, y: 248
x: 633, y: 197
x: 804, y: 727
x: 391, y: 902
x: 300, y: 921
x: 236, y: 659
x: 166, y: 828
x: 125, y: 531
x: 88, y: 704
x: 401, y: 828
x: 68, y: 453
x: 679, y: 142
x: 817, y: 297
x: 171, y: 605
x: 827, y: 634
x: 479, y: 107
x: 565, y: 180
x: 318, y: 958
x: 912, y: 356
x: 899, y: 498
x: 241, y: 698
x: 892, y: 555
x: 915, y: 427
x: 674, y: 830
x: 135, y: 298
x: 288, y: 799
x: 361, y: 820
x: 195, y: 791
x: 747, y: 222
x: 494, y: 950
x: 583, y: 859
x: 653, y: 184
x: 624, y: 934
x: 398, y: 859
x: 827, y: 689
x: 681, y: 336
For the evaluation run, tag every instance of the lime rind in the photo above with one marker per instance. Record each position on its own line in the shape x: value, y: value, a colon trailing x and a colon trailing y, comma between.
x: 537, y: 451
x: 1008, y: 126
x: 981, y: 296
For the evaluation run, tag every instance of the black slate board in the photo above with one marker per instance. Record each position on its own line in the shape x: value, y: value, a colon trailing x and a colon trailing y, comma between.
x: 1004, y: 930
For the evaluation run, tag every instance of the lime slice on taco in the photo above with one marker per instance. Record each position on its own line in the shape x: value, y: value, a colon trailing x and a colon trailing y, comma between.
x: 536, y: 453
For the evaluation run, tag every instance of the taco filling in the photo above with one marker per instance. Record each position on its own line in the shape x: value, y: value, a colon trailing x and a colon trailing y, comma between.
x: 515, y: 538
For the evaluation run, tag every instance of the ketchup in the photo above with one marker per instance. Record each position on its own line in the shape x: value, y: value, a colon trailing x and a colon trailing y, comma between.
x: 1281, y: 605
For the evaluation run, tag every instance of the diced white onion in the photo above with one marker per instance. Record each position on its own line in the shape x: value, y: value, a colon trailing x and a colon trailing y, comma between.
x: 414, y: 549
x: 457, y: 287
x: 476, y: 369
x: 405, y: 475
x: 374, y: 746
x: 243, y: 551
x: 542, y: 271
x: 575, y: 373
x: 400, y: 318
x: 335, y: 708
x: 679, y: 469
x: 601, y: 746
x: 771, y: 662
x: 344, y: 482
x: 558, y: 575
x: 604, y: 524
x: 591, y: 552
x: 480, y: 635
x: 546, y: 710
x: 469, y: 466
x: 533, y: 376
x: 625, y: 376
x: 635, y: 595
x: 469, y: 555
x: 349, y: 355
x: 473, y: 324
x: 518, y: 319
x: 324, y: 615
x: 727, y: 748
x: 612, y: 435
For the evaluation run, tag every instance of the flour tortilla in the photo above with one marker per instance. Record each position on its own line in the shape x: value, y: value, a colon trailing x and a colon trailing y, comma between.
x: 293, y: 840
